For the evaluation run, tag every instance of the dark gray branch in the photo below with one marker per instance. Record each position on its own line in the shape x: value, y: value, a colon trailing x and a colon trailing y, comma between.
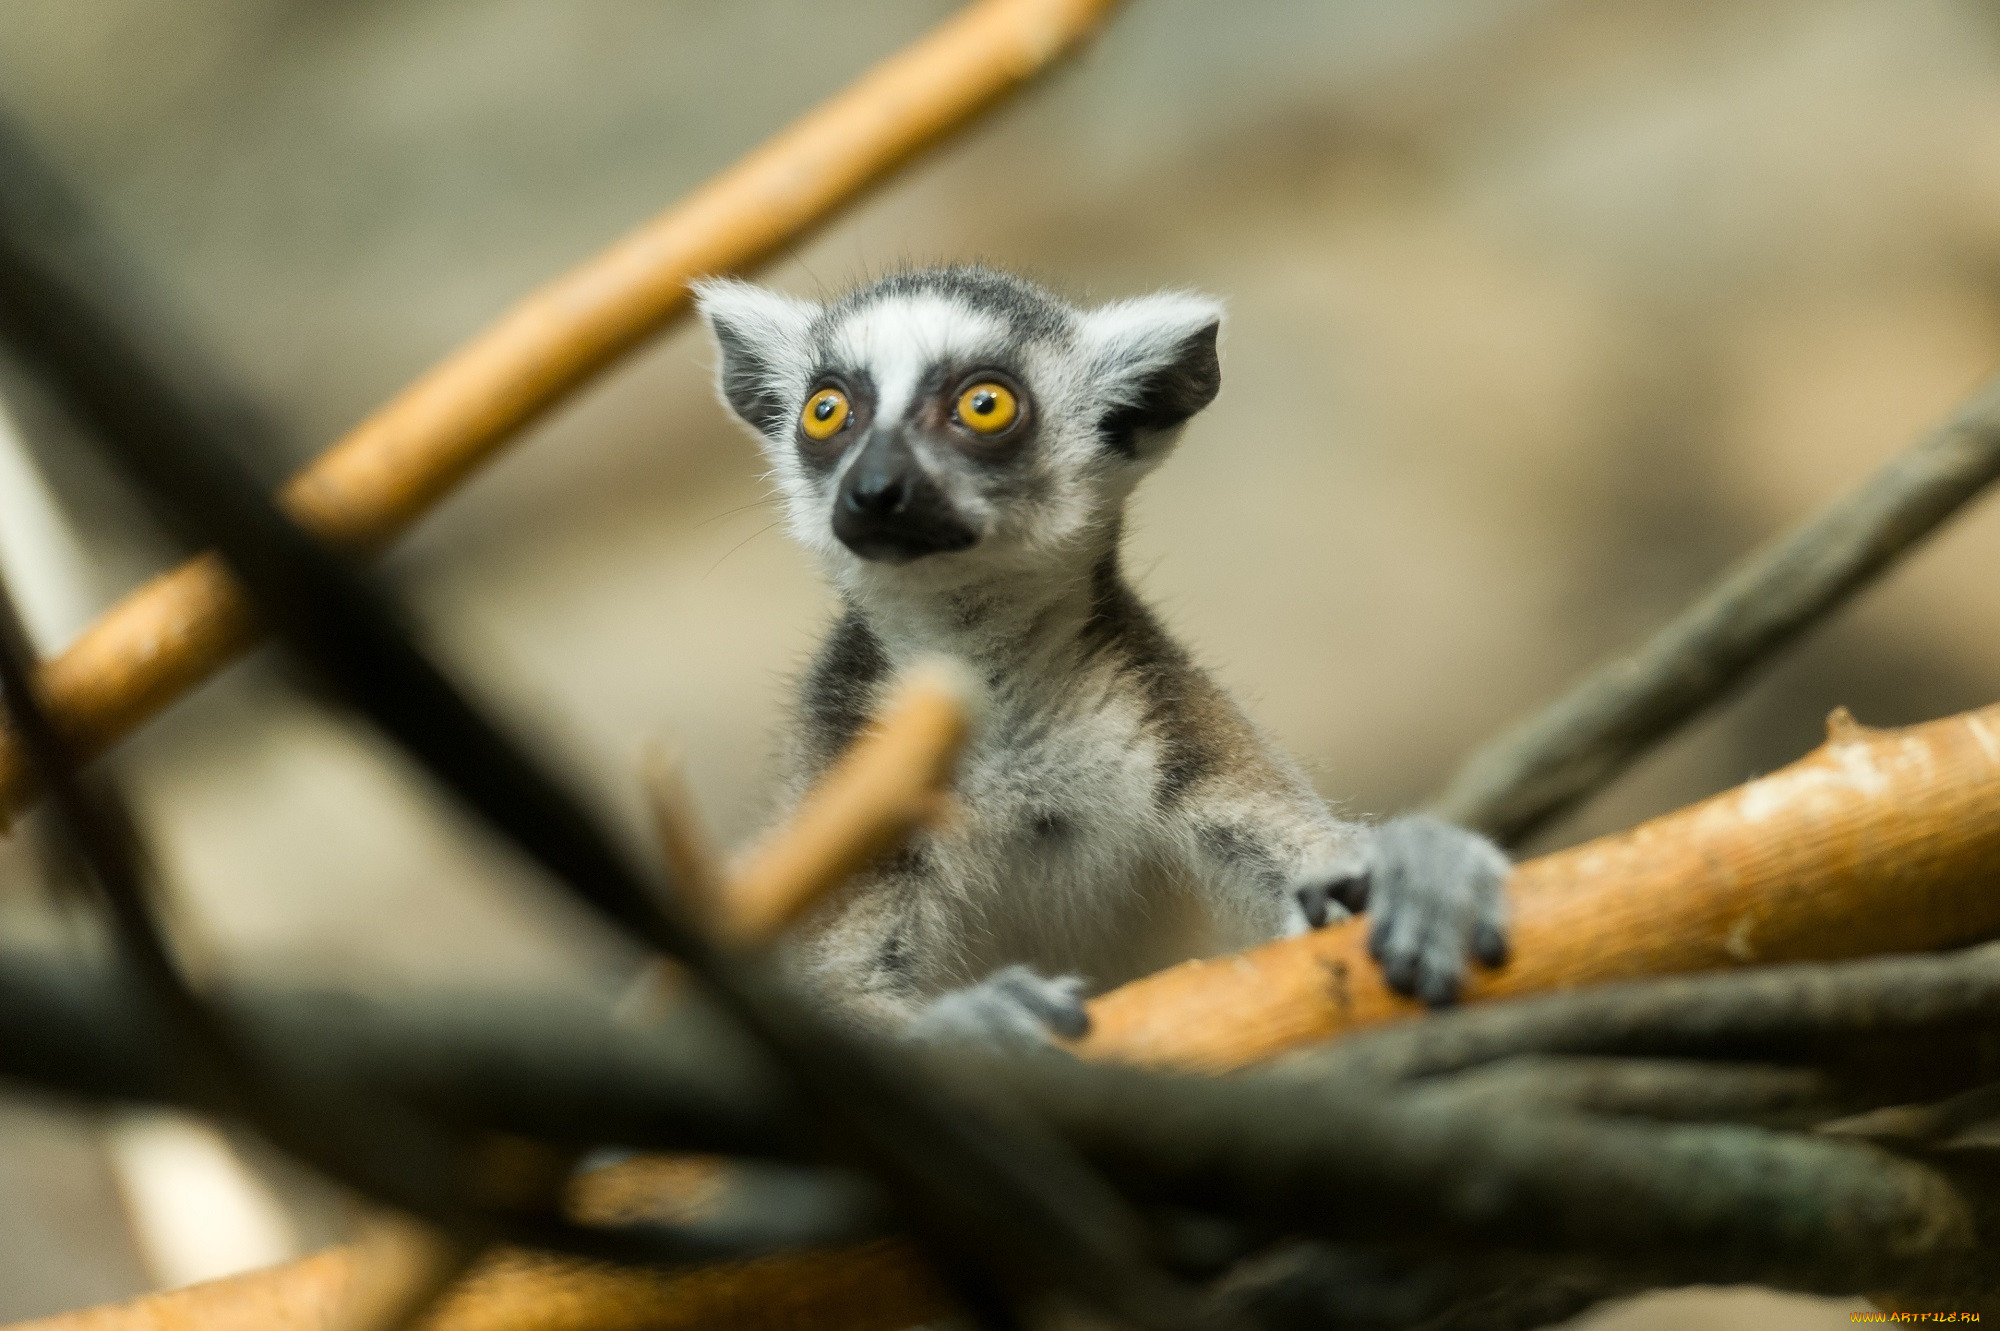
x: 1315, y: 1150
x: 1672, y: 1204
x: 553, y: 1068
x: 1003, y: 1209
x: 1809, y: 1013
x: 1664, y: 1090
x: 1570, y: 749
x: 1313, y: 1287
x: 376, y: 1146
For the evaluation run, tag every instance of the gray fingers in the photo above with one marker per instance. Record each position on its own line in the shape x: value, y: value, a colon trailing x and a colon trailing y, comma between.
x: 1437, y: 893
x: 1014, y: 1006
x: 1349, y: 893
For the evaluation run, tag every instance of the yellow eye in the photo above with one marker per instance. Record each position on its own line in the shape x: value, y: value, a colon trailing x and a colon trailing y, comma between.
x: 987, y: 407
x: 826, y: 411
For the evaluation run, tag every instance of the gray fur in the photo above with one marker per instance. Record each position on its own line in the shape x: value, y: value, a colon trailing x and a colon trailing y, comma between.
x: 1117, y: 811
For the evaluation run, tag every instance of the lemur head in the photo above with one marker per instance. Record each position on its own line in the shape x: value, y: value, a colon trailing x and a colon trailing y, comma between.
x: 948, y: 422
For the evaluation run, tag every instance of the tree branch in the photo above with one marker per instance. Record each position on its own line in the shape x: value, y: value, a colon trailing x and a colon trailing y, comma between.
x: 1573, y: 747
x: 998, y: 1202
x: 1797, y: 1014
x: 1664, y: 1090
x: 1879, y: 841
x: 181, y: 627
x: 1424, y: 1168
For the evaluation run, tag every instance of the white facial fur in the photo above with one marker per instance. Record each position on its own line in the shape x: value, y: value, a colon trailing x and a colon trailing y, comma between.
x: 1047, y: 505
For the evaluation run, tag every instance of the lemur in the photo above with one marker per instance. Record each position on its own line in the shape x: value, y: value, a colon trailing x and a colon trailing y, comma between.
x: 956, y: 446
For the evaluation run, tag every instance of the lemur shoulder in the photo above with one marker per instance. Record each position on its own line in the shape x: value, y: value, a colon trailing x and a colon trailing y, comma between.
x: 956, y: 446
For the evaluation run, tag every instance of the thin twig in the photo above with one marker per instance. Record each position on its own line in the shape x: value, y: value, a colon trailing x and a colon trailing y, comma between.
x: 894, y: 779
x: 1317, y: 1287
x: 693, y: 865
x: 1545, y: 765
x: 1662, y: 1090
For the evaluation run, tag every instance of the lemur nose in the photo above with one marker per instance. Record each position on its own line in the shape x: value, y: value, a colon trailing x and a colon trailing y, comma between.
x: 877, y: 491
x: 890, y: 509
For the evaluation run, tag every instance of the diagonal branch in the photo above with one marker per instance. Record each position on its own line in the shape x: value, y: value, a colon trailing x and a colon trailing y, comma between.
x: 989, y: 1192
x: 1577, y: 744
x: 180, y: 628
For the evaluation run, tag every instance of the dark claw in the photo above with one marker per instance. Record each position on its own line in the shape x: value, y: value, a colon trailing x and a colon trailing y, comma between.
x: 1067, y: 1018
x: 1400, y: 970
x: 1312, y: 900
x: 1072, y: 1023
x: 1351, y: 891
x: 1489, y: 944
x: 1439, y: 989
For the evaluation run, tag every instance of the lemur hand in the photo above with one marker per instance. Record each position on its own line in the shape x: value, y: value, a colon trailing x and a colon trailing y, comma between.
x: 1434, y: 892
x: 1014, y: 1006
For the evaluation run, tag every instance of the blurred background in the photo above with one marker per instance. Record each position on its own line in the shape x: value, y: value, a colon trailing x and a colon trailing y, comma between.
x: 1541, y: 312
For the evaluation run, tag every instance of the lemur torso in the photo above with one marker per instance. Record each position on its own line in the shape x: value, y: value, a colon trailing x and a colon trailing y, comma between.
x: 957, y: 446
x: 1116, y: 813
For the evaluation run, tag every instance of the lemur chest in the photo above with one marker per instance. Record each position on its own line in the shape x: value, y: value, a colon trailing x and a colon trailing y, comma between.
x: 1058, y: 854
x: 1052, y: 788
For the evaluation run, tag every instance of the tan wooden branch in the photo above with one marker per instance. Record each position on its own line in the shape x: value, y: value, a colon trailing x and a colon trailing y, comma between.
x: 879, y: 1285
x: 895, y: 778
x: 178, y: 629
x: 1879, y: 841
x: 398, y: 1268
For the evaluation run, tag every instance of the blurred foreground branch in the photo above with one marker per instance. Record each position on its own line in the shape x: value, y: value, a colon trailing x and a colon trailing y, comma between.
x: 178, y: 629
x: 1628, y: 1138
x: 1574, y: 746
x: 1414, y: 1163
x: 1500, y: 1164
x: 1003, y: 1211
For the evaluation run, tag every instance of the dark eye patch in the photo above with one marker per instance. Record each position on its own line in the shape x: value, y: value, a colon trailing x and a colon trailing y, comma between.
x: 859, y: 386
x: 936, y: 400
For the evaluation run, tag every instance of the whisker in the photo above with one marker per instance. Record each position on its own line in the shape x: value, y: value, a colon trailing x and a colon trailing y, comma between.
x: 739, y: 545
x: 730, y: 512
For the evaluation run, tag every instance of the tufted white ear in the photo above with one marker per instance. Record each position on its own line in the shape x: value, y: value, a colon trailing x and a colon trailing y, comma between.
x: 762, y: 338
x: 1155, y: 358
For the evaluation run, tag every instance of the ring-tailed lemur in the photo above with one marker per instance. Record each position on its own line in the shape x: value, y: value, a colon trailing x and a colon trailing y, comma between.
x: 956, y: 446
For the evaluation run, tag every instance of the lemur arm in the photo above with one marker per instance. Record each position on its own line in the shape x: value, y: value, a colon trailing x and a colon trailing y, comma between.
x: 1266, y: 843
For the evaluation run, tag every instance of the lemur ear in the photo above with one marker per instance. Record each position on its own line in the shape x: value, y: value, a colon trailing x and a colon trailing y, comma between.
x: 762, y: 338
x: 1155, y: 357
